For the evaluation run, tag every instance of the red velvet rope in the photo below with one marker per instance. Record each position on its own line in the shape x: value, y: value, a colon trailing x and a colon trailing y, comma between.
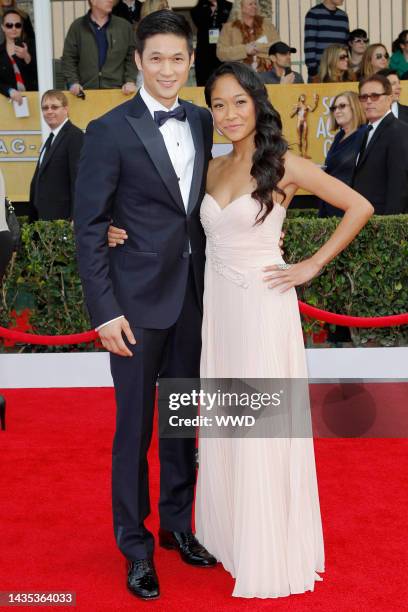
x: 17, y: 336
x: 348, y: 321
x: 306, y: 309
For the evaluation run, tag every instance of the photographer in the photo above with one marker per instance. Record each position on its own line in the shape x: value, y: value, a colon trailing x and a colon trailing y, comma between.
x: 18, y: 69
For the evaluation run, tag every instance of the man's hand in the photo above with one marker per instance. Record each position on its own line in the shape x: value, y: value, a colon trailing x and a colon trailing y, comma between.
x: 16, y: 96
x: 116, y: 236
x: 128, y: 88
x: 75, y: 89
x: 112, y: 338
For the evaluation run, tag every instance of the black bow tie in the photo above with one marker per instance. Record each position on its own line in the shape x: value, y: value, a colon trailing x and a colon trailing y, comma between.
x: 178, y: 113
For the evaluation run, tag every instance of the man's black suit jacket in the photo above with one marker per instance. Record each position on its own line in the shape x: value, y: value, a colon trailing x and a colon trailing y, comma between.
x: 53, y: 184
x: 381, y: 174
x: 125, y: 175
x: 403, y: 112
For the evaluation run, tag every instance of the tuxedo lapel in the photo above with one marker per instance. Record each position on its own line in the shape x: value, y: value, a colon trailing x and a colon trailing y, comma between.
x: 57, y: 142
x: 141, y: 121
x: 377, y: 134
x: 193, y: 117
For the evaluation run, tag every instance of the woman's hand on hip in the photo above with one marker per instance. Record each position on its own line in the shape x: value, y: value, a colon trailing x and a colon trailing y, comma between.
x: 293, y: 276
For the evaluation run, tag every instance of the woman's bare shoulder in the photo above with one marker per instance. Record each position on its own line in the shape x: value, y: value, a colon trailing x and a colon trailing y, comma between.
x: 214, y: 169
x: 216, y: 163
x: 220, y: 159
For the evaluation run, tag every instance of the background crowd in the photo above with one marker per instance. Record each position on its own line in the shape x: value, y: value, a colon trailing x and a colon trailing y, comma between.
x: 99, y: 51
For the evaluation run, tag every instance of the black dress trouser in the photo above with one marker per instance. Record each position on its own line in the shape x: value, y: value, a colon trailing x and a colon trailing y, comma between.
x: 170, y: 353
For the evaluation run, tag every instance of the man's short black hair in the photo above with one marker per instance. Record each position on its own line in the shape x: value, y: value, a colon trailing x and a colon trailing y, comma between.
x: 163, y: 22
x: 388, y: 72
x: 357, y: 33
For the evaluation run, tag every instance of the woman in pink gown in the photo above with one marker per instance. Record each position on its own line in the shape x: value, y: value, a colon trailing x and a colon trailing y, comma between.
x: 257, y: 504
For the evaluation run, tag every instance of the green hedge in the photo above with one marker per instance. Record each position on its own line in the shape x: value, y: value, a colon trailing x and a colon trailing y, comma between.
x: 370, y: 278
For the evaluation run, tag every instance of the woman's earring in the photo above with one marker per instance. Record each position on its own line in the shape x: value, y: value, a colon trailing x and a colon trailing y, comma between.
x: 216, y: 129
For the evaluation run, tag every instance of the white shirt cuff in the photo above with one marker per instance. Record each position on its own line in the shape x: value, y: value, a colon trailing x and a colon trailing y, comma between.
x: 107, y: 322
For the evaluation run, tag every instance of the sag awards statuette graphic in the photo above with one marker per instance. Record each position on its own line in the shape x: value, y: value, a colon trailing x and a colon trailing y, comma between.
x: 301, y: 110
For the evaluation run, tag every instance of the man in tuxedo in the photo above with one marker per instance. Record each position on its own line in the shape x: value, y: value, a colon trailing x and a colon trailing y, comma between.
x: 400, y: 110
x: 53, y: 183
x: 143, y: 166
x: 381, y: 172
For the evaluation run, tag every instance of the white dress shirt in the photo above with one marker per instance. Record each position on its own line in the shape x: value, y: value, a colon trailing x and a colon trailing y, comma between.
x: 394, y: 108
x: 180, y: 147
x: 179, y: 143
x: 56, y: 131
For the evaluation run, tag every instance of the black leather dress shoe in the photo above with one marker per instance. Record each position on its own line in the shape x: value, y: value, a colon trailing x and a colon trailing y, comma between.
x: 142, y: 579
x: 190, y: 549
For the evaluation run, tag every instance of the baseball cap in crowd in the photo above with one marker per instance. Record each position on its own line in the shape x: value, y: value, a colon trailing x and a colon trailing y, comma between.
x: 281, y: 47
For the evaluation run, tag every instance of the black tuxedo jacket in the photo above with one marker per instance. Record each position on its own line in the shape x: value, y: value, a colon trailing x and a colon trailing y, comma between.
x: 53, y: 184
x: 403, y: 112
x: 126, y: 176
x: 381, y: 174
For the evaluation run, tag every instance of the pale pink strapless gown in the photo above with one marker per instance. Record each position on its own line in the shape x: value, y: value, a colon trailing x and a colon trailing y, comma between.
x: 257, y: 503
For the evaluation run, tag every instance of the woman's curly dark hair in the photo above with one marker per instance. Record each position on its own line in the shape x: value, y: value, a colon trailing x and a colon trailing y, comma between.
x: 268, y: 165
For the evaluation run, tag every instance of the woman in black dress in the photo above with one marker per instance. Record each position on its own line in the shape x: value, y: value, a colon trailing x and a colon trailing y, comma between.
x: 348, y: 118
x: 18, y: 68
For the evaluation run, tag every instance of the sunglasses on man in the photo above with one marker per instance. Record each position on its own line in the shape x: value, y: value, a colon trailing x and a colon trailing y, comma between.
x: 52, y: 107
x: 373, y: 96
x: 17, y: 26
x: 364, y: 41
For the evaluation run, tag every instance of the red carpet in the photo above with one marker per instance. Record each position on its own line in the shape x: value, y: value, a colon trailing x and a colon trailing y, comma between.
x: 56, y: 518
